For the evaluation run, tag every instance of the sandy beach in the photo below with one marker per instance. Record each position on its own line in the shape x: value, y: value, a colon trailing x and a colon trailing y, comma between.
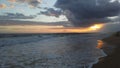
x: 112, y: 49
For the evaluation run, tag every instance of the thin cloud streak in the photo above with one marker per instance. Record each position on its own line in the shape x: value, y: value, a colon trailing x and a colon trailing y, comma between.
x: 33, y: 3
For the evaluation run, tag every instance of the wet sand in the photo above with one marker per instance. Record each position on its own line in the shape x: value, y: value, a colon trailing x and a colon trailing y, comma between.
x: 112, y: 49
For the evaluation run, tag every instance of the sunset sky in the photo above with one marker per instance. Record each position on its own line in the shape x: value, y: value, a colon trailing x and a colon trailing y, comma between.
x: 59, y: 16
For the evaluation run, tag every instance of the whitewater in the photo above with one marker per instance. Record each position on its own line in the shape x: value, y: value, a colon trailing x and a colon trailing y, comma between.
x: 69, y: 51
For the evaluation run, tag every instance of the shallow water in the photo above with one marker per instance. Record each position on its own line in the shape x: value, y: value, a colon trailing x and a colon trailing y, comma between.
x: 73, y: 51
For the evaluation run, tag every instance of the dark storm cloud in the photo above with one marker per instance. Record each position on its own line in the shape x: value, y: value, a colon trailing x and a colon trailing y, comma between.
x: 15, y: 16
x: 87, y: 12
x: 51, y: 12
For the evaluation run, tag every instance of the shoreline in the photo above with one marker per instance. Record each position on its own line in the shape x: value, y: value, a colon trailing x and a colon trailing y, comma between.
x: 64, y: 51
x: 112, y: 49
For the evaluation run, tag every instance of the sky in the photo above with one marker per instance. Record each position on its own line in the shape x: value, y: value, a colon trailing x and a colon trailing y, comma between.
x: 29, y: 10
x: 59, y: 15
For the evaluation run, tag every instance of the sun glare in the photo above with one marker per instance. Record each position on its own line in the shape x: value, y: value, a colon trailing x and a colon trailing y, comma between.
x: 49, y: 29
x: 96, y: 26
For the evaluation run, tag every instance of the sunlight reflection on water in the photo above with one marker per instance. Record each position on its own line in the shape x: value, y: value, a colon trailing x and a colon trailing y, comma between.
x: 100, y: 44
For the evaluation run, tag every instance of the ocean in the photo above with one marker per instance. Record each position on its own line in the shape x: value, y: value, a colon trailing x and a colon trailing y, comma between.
x: 50, y: 50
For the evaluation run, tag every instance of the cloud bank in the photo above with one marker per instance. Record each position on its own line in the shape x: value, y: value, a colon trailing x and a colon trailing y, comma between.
x: 9, y: 16
x: 87, y: 12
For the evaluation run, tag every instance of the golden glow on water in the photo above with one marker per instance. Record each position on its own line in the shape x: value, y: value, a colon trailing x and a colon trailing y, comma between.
x: 48, y: 29
x: 100, y: 44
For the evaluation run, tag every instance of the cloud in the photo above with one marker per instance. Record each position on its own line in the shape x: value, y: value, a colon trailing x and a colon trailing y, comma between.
x: 2, y: 6
x: 32, y: 3
x: 87, y: 12
x: 11, y: 6
x: 12, y: 1
x: 9, y: 16
x: 18, y: 22
x: 51, y: 12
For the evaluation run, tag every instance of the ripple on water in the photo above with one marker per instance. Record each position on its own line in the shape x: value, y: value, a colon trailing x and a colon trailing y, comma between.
x: 61, y: 52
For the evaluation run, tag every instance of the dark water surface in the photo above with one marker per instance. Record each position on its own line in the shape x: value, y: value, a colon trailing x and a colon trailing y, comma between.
x: 68, y: 51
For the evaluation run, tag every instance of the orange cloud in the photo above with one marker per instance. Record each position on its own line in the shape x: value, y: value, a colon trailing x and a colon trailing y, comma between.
x: 12, y: 1
x: 32, y: 3
x: 2, y: 6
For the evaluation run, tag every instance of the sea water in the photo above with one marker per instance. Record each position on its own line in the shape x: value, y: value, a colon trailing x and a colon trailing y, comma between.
x: 66, y: 51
